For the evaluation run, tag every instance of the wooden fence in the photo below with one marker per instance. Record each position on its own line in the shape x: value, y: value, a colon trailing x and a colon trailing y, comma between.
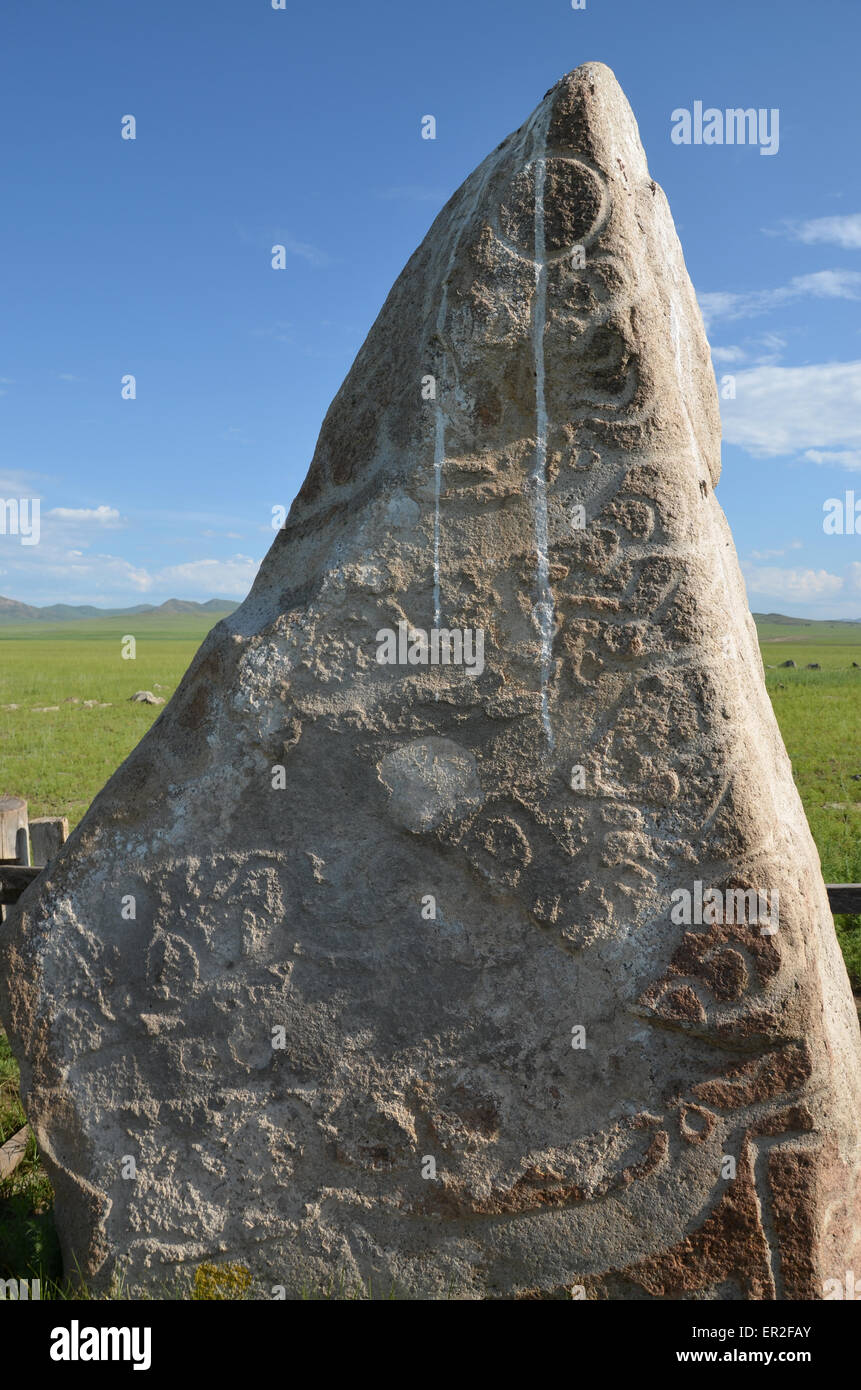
x: 26, y: 846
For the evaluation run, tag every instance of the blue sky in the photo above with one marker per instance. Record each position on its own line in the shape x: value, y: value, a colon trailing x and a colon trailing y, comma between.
x: 301, y: 126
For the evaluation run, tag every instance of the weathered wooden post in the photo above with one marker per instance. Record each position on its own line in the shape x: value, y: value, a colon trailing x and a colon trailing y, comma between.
x: 13, y: 818
x: 14, y: 841
x: 13, y: 1151
x: 48, y: 834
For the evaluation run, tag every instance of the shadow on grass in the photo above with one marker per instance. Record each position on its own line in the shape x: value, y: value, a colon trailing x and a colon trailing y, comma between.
x: 29, y: 1248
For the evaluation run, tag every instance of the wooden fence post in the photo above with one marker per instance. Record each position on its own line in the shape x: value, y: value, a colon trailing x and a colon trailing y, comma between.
x: 13, y: 817
x: 13, y: 1151
x: 48, y: 834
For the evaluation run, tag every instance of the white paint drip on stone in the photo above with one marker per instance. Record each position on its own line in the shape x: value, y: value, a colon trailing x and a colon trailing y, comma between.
x: 544, y: 609
x: 439, y: 443
x: 675, y: 334
x: 440, y: 417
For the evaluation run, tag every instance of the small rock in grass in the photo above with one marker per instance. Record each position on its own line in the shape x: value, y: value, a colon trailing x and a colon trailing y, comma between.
x: 146, y: 697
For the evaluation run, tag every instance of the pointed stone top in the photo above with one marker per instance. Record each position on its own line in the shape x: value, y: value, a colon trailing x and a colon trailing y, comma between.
x: 627, y: 359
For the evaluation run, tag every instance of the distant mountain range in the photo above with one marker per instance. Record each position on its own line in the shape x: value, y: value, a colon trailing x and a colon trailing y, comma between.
x: 11, y: 611
x: 797, y: 622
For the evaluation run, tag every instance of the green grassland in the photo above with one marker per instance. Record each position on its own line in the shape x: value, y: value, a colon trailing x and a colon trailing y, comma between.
x: 819, y: 716
x: 59, y: 759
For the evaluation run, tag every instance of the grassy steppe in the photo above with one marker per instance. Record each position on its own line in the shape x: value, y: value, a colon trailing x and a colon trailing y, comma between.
x: 58, y: 759
x: 819, y: 714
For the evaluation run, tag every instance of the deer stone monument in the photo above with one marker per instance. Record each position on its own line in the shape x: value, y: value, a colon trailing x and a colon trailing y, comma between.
x: 457, y: 926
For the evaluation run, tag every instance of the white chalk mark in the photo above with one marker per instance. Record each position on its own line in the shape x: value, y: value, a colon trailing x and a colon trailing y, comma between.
x: 544, y: 608
x: 440, y: 417
x: 438, y: 460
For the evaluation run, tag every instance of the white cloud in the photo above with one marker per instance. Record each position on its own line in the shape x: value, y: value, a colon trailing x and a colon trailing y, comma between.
x: 806, y: 592
x: 214, y: 577
x: 827, y: 284
x: 820, y: 284
x: 312, y: 254
x: 763, y: 350
x: 783, y: 410
x: 69, y: 563
x: 835, y: 231
x: 718, y: 304
x: 835, y: 458
x: 727, y: 355
x: 103, y: 516
x: 15, y: 482
x: 775, y: 554
x: 50, y: 572
x: 106, y: 566
x: 800, y: 586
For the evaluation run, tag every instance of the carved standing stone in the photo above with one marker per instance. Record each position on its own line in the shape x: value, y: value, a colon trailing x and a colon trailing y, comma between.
x: 408, y: 991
